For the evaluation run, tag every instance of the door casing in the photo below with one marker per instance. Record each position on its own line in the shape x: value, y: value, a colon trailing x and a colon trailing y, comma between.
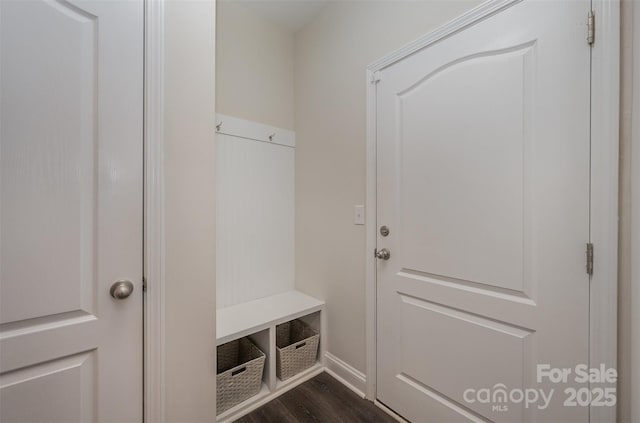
x: 605, y: 91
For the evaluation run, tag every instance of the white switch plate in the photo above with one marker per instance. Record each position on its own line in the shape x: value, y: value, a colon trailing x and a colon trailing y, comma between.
x: 358, y: 215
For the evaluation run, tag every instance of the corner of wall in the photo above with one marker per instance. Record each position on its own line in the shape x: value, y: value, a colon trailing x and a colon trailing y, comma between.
x: 351, y: 377
x: 189, y: 128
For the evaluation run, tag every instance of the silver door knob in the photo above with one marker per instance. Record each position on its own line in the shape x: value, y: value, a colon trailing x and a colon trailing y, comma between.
x: 121, y: 289
x: 383, y: 254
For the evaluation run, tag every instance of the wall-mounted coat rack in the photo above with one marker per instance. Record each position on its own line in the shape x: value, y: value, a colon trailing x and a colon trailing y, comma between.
x: 229, y: 125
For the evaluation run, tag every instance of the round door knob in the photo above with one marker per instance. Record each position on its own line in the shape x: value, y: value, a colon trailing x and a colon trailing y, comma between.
x: 121, y: 289
x: 383, y: 254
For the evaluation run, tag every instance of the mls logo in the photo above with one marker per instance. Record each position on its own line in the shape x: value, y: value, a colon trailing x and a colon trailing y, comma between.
x: 500, y: 408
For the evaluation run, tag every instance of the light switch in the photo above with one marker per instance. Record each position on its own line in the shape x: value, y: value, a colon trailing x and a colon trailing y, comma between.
x: 358, y: 215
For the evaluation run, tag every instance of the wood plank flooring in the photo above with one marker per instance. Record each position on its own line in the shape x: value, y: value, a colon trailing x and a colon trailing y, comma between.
x: 321, y: 400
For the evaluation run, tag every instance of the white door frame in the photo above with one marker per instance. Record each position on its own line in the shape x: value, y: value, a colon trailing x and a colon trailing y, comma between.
x: 154, y: 236
x: 604, y: 181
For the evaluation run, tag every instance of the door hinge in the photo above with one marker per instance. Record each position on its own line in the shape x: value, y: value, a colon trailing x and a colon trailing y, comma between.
x: 590, y: 259
x: 144, y: 284
x: 591, y: 28
x: 375, y: 77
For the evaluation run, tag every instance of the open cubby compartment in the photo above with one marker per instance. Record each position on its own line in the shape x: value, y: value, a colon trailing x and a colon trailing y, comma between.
x: 315, y: 320
x: 241, y: 365
x: 296, y: 348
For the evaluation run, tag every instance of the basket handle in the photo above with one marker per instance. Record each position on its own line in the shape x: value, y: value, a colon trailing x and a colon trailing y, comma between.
x: 301, y: 345
x: 237, y: 372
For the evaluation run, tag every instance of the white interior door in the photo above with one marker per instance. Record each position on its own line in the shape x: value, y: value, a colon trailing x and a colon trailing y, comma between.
x: 483, y: 181
x: 71, y: 80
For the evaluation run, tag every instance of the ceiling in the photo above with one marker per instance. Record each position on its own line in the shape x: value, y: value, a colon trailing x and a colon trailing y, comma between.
x: 289, y: 14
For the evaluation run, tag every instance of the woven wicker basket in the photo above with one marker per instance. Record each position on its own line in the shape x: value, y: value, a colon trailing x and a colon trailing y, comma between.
x: 240, y: 366
x: 296, y: 348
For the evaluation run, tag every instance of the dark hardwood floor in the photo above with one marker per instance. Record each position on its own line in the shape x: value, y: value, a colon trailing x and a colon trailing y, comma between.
x: 321, y: 399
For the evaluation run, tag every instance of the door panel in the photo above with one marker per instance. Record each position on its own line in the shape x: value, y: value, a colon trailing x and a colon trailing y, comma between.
x: 483, y: 180
x: 63, y: 389
x: 476, y: 197
x: 498, y: 351
x: 48, y: 132
x: 70, y: 209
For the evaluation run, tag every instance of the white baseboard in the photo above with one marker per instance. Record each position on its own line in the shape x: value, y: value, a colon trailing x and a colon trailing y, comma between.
x: 390, y: 412
x: 346, y: 374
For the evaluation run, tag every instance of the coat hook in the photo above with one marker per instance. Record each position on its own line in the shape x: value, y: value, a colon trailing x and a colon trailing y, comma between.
x: 272, y: 136
x: 218, y: 126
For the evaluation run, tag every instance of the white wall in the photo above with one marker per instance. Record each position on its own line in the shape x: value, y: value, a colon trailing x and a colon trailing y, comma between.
x: 628, y: 287
x: 634, y: 317
x: 190, y: 371
x: 331, y: 55
x: 254, y: 79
